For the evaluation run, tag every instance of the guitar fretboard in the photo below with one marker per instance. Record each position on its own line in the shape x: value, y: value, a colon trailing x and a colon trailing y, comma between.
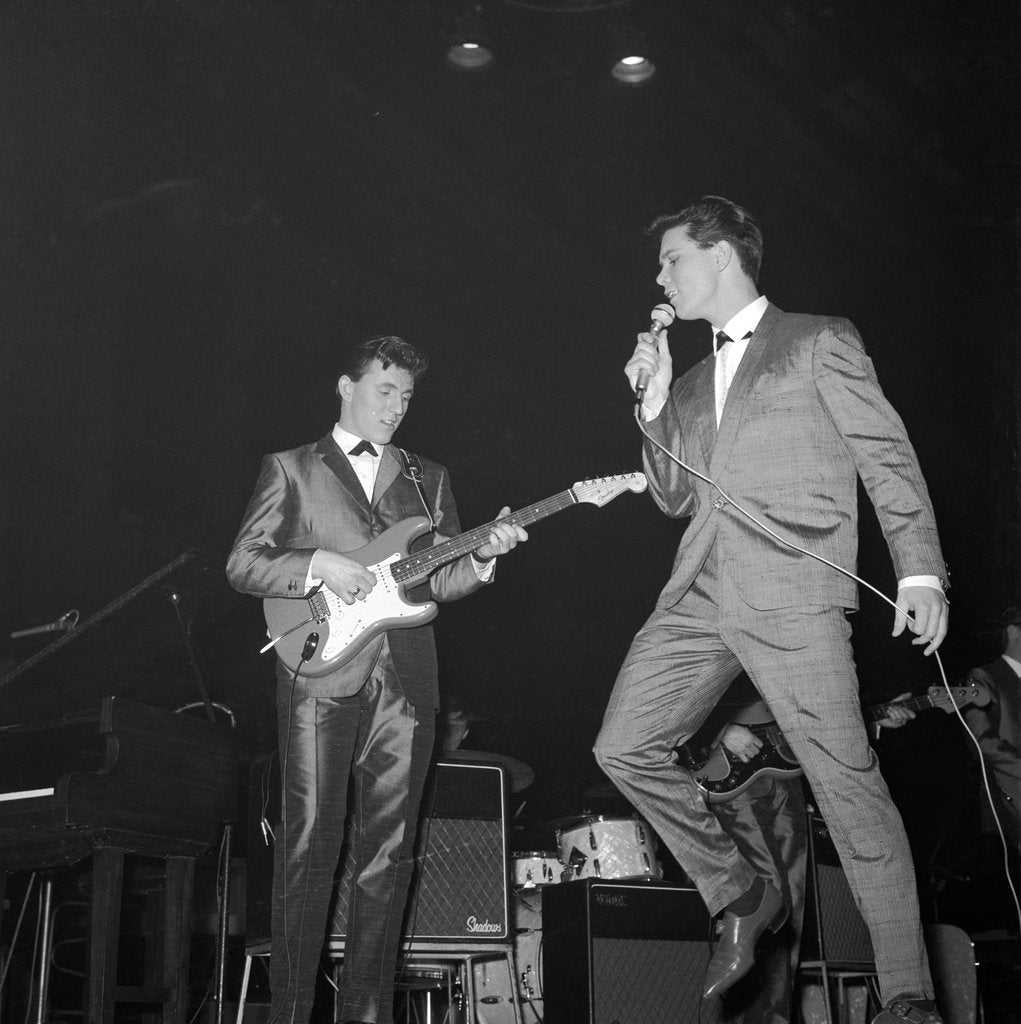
x: 430, y: 559
x: 879, y: 711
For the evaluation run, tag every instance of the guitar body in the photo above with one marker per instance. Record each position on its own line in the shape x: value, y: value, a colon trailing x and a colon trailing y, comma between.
x: 343, y: 629
x: 722, y: 776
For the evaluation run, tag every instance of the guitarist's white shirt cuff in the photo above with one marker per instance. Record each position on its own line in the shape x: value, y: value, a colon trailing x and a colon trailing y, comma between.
x: 484, y: 570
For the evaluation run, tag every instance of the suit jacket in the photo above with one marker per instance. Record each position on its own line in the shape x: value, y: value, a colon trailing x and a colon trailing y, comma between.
x: 804, y: 417
x: 310, y: 498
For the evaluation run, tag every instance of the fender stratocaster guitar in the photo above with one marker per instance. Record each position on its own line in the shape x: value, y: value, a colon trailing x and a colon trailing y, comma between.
x: 318, y: 633
x: 721, y: 776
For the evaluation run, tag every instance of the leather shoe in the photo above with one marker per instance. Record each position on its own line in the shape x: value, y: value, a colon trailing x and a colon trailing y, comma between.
x: 735, y: 952
x: 908, y: 1010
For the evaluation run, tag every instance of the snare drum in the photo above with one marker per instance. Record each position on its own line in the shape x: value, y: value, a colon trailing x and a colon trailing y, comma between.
x: 536, y: 867
x: 603, y: 847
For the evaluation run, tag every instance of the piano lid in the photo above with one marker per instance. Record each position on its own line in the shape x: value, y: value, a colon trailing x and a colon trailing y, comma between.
x: 139, y: 647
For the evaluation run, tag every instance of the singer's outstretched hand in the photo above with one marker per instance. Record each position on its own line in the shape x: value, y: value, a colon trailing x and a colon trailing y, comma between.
x: 651, y: 354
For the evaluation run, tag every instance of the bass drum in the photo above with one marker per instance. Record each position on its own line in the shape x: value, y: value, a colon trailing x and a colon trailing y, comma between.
x: 493, y: 995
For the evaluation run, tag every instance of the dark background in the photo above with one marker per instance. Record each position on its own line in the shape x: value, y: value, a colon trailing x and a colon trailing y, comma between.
x: 203, y: 203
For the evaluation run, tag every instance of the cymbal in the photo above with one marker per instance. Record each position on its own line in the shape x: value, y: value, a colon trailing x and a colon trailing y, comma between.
x: 518, y: 773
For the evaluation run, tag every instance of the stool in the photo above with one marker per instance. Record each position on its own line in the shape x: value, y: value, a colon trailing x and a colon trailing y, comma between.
x: 418, y: 981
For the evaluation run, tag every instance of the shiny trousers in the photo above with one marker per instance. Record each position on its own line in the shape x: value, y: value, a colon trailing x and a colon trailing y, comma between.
x: 381, y: 745
x: 679, y: 666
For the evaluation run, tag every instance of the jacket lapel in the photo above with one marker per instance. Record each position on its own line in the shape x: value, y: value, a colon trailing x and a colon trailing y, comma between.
x: 337, y: 462
x: 389, y: 468
x: 747, y: 373
x: 703, y: 407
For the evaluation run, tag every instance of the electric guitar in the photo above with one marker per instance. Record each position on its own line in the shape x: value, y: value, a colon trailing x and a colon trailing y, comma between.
x: 317, y: 634
x: 720, y: 776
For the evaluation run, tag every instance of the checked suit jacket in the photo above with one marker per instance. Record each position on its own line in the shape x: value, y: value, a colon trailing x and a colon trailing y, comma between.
x: 309, y: 498
x: 804, y: 417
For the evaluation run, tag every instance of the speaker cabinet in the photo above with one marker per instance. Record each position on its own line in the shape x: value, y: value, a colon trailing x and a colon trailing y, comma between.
x: 834, y: 930
x: 459, y: 891
x: 625, y: 951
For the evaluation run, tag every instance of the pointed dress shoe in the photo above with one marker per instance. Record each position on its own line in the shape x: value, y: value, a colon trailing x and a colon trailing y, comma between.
x: 735, y: 951
x: 908, y: 1010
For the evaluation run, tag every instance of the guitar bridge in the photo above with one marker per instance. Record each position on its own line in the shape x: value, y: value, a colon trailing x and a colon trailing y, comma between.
x: 319, y: 607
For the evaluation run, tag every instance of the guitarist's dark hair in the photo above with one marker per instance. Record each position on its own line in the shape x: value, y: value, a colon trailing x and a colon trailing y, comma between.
x: 388, y: 349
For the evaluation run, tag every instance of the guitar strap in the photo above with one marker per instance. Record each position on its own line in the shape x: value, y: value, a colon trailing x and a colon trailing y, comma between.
x: 411, y: 467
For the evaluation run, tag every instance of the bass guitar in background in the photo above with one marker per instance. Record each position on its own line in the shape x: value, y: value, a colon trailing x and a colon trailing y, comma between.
x: 720, y: 776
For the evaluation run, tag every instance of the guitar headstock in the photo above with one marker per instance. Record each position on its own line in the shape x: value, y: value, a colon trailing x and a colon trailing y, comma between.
x: 606, y: 488
x: 973, y: 692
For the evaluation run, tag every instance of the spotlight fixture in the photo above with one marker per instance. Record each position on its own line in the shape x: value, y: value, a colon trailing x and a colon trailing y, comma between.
x: 470, y: 48
x: 631, y: 61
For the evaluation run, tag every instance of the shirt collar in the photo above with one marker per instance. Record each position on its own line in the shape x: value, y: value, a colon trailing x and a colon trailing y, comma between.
x: 1013, y: 663
x: 744, y: 321
x: 346, y: 441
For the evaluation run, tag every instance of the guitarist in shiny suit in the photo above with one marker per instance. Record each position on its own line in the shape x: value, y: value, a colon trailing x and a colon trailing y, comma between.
x: 782, y: 417
x: 370, y: 722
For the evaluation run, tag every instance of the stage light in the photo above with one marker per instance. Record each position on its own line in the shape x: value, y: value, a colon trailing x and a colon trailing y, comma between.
x: 470, y: 48
x: 631, y: 61
x: 633, y: 69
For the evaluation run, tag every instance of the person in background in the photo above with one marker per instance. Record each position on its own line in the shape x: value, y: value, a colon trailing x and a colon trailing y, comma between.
x: 996, y: 725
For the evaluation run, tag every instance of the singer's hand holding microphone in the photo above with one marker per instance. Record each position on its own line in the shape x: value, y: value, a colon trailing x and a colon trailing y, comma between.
x: 650, y: 368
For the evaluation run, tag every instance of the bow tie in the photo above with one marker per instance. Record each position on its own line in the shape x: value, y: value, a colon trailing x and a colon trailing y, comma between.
x: 363, y: 446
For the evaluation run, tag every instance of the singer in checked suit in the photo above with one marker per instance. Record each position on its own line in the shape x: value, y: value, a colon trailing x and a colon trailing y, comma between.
x: 784, y: 414
x: 371, y: 722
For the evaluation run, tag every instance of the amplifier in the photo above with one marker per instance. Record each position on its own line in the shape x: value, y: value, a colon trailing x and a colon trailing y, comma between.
x: 625, y: 951
x: 459, y: 892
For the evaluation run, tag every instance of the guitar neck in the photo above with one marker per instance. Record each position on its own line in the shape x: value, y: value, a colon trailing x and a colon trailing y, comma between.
x: 879, y: 711
x: 427, y: 561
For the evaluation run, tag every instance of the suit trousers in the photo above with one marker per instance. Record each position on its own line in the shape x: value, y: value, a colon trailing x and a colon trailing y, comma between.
x: 382, y: 745
x: 677, y: 669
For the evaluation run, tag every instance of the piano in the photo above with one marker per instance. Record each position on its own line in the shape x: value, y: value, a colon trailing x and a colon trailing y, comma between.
x: 128, y: 775
x: 103, y: 756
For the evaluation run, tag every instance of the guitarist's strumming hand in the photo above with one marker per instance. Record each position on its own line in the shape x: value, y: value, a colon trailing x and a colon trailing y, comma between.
x: 348, y: 579
x: 740, y: 741
x: 502, y: 538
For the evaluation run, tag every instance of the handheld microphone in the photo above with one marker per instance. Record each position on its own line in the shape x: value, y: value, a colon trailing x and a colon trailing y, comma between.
x: 66, y: 621
x: 662, y: 316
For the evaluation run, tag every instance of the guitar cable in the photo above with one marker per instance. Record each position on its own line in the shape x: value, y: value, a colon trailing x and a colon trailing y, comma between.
x: 728, y: 500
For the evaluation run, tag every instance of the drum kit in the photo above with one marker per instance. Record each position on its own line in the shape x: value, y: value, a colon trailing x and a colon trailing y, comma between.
x: 588, y: 846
